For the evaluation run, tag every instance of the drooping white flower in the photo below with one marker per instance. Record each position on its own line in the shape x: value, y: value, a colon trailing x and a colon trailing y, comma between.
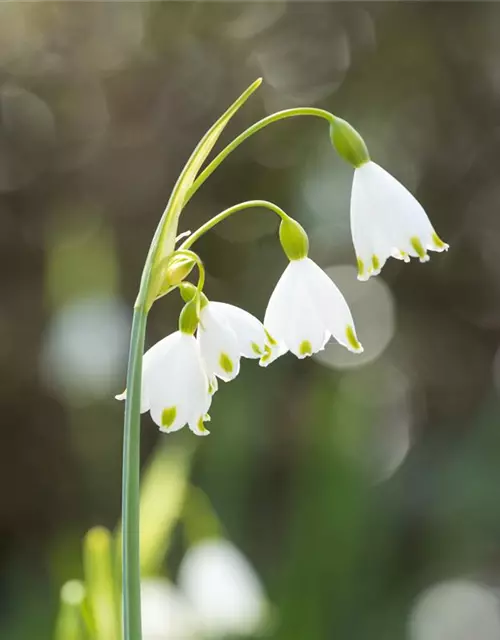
x: 305, y: 309
x: 223, y: 590
x: 386, y: 220
x: 166, y: 614
x: 226, y: 333
x: 176, y: 389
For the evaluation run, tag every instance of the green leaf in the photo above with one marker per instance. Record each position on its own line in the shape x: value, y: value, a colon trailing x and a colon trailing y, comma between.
x: 70, y: 623
x: 164, y: 239
x: 101, y: 583
x: 164, y: 486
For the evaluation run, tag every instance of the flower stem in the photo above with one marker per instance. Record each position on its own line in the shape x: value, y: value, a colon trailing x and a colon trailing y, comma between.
x: 131, y: 579
x: 249, y: 204
x: 280, y: 115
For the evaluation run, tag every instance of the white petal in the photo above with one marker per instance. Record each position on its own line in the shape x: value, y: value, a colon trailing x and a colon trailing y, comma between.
x: 292, y: 311
x: 273, y: 319
x: 387, y: 220
x: 166, y: 613
x: 249, y: 331
x: 176, y: 384
x: 332, y: 306
x: 223, y: 590
x: 150, y: 359
x: 218, y: 345
x: 152, y: 356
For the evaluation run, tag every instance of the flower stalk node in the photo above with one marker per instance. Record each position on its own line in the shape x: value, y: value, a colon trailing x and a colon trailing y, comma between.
x: 189, y: 317
x: 348, y: 143
x: 293, y: 239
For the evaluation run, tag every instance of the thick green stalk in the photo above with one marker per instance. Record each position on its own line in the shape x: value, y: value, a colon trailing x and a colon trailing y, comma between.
x: 131, y: 580
x: 280, y: 115
x: 249, y: 204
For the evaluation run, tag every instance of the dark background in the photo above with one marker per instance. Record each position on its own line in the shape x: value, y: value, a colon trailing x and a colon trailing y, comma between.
x: 352, y: 484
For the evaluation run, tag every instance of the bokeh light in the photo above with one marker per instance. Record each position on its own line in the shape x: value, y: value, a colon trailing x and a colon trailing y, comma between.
x: 456, y: 610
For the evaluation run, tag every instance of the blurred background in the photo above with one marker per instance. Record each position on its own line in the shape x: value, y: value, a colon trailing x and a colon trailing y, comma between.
x: 339, y: 497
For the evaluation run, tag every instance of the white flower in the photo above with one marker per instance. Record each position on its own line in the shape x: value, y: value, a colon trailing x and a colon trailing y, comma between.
x: 175, y: 386
x: 226, y: 333
x: 223, y: 590
x: 166, y: 614
x: 304, y: 310
x: 386, y: 220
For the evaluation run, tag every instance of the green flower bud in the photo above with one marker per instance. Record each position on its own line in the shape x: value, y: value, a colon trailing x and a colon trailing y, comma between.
x: 349, y: 144
x: 293, y: 239
x: 178, y: 269
x: 188, y: 319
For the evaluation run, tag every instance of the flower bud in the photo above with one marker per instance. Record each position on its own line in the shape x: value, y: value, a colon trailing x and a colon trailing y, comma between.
x: 178, y: 269
x: 349, y: 144
x: 293, y: 239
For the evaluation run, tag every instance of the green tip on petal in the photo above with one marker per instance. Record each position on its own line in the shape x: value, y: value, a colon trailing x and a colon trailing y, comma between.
x: 168, y: 416
x: 201, y: 428
x: 267, y: 355
x: 256, y: 349
x: 375, y: 263
x: 270, y: 339
x: 417, y: 245
x: 361, y: 267
x: 438, y: 242
x: 226, y: 363
x: 352, y: 340
x: 305, y: 348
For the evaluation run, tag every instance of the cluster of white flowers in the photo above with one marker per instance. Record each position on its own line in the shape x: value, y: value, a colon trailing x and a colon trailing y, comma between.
x: 305, y: 310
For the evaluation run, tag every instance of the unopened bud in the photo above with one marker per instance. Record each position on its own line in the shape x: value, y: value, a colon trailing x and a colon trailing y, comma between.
x: 178, y: 269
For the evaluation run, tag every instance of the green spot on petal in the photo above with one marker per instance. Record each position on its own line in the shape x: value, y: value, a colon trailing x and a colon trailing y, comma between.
x: 168, y: 417
x: 375, y: 263
x: 201, y: 426
x: 417, y: 245
x: 351, y: 338
x: 226, y: 363
x: 437, y: 241
x: 361, y: 267
x: 256, y: 349
x: 305, y: 348
x: 271, y: 340
x: 267, y: 354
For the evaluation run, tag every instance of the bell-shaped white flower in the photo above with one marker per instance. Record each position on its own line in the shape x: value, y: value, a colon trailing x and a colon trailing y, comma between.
x: 176, y: 389
x: 225, y: 333
x: 386, y: 220
x: 305, y: 309
x: 165, y: 612
x: 223, y: 590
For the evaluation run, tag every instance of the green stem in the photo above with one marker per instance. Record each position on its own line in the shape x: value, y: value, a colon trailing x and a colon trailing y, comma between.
x: 131, y: 580
x: 280, y: 115
x: 183, y: 251
x: 249, y: 204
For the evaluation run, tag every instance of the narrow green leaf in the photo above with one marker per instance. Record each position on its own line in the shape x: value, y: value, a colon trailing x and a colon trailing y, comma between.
x: 164, y: 485
x: 164, y: 240
x: 101, y: 583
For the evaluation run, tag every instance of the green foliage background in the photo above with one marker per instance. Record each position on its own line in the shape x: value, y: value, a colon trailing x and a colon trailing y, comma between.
x: 100, y: 106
